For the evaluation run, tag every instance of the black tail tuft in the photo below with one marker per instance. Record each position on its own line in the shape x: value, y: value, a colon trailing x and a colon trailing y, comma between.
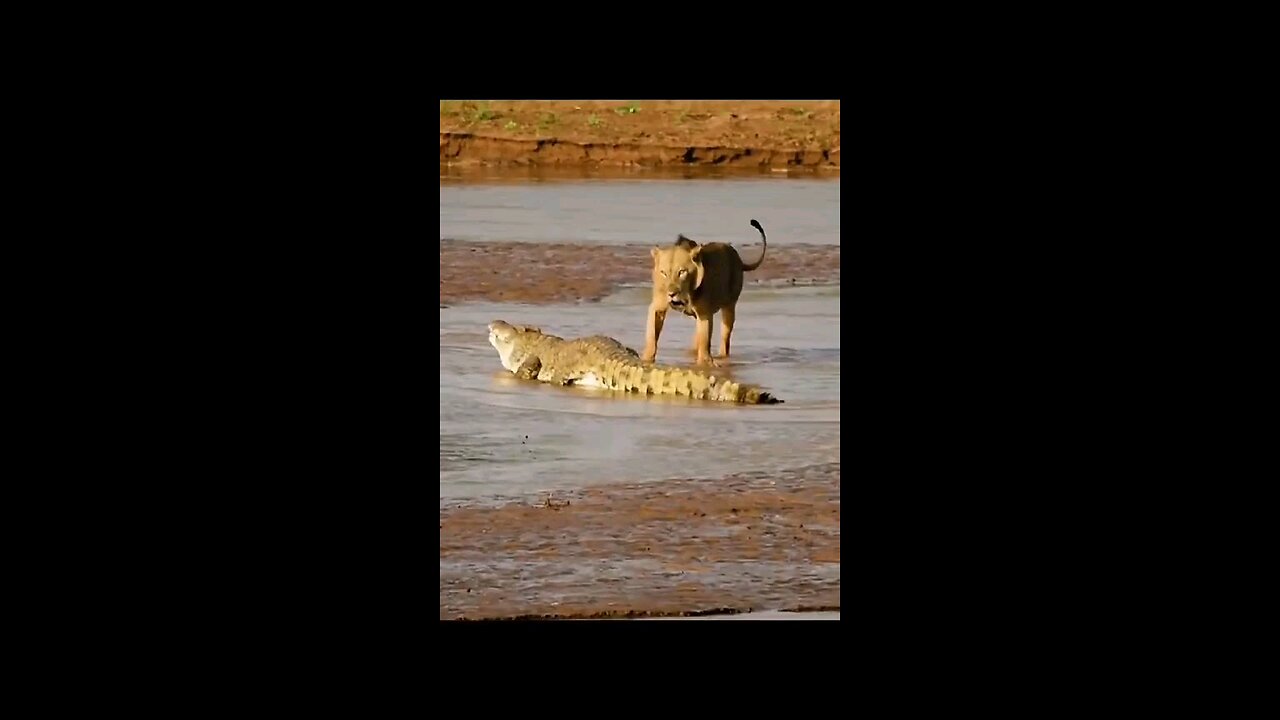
x: 764, y: 242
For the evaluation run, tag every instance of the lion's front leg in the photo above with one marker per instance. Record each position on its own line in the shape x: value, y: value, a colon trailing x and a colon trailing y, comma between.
x: 657, y: 316
x: 702, y: 339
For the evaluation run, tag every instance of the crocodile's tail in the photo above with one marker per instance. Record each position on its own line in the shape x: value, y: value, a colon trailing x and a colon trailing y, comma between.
x: 694, y: 383
x: 747, y: 394
x: 755, y: 396
x: 726, y: 390
x: 763, y: 241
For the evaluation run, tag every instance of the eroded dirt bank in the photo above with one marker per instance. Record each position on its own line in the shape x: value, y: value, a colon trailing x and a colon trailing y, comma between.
x: 752, y: 541
x: 537, y: 272
x: 650, y: 133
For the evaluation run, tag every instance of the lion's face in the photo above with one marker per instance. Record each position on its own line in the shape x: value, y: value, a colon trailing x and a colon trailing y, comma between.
x: 677, y: 272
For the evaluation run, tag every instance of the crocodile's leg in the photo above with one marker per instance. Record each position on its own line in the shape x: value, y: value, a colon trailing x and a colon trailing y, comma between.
x: 562, y: 376
x: 528, y: 369
x: 726, y: 329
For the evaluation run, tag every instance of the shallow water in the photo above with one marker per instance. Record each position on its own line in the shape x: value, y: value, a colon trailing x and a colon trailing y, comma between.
x: 644, y: 209
x: 501, y: 437
x: 762, y: 531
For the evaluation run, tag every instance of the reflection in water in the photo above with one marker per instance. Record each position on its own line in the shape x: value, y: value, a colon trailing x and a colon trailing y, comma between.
x: 646, y: 210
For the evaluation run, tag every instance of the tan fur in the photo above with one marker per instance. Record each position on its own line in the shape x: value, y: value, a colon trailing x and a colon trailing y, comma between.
x: 697, y: 280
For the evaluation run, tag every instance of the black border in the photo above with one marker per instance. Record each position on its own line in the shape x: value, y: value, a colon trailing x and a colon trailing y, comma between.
x: 282, y: 380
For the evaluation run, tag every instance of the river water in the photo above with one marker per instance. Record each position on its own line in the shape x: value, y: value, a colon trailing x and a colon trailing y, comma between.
x: 634, y: 210
x: 502, y: 438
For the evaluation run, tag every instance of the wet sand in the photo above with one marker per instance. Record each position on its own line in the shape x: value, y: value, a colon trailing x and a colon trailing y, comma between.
x: 536, y: 272
x: 766, y: 615
x: 750, y: 541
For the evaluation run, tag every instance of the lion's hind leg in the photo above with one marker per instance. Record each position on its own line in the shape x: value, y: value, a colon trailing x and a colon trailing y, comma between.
x: 726, y: 328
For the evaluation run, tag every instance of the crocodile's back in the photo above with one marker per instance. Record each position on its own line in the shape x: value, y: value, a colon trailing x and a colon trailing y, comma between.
x: 603, y: 362
x: 623, y: 370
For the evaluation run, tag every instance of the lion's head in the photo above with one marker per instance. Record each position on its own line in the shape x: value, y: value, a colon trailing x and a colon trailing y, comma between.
x: 677, y: 272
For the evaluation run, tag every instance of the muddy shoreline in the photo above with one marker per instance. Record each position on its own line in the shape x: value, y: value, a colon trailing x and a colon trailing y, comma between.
x: 536, y: 272
x: 465, y: 148
x: 650, y: 133
x: 680, y: 547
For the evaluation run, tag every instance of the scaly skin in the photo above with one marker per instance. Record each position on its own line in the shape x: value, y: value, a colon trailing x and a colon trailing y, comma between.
x: 600, y: 361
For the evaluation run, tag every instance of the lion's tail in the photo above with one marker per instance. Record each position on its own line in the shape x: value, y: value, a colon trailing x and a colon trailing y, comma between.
x: 764, y: 250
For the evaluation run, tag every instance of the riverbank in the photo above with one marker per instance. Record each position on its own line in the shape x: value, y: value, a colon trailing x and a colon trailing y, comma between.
x: 647, y: 133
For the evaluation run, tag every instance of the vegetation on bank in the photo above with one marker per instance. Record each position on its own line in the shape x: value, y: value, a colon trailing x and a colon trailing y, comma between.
x: 789, y: 124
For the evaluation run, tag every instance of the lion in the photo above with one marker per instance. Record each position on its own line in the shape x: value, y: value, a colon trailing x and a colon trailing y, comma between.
x: 697, y: 280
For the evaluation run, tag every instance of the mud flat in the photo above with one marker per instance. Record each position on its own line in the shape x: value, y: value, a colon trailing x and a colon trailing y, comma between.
x: 680, y: 547
x: 764, y: 615
x: 536, y: 272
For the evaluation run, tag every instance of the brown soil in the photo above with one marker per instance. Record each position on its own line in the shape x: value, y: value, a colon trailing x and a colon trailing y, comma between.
x: 744, y: 133
x: 675, y: 547
x: 535, y: 272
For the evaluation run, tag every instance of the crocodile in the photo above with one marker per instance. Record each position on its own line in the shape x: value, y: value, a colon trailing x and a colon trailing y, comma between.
x: 603, y: 362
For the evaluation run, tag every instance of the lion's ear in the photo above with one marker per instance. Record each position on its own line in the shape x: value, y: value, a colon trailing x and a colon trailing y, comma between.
x: 696, y: 256
x: 653, y: 251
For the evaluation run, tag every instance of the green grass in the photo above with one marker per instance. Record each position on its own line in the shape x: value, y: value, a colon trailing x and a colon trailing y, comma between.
x: 629, y: 109
x: 474, y: 113
x: 594, y: 121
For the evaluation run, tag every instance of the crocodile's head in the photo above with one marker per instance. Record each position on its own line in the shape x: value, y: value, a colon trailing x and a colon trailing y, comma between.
x: 505, y: 338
